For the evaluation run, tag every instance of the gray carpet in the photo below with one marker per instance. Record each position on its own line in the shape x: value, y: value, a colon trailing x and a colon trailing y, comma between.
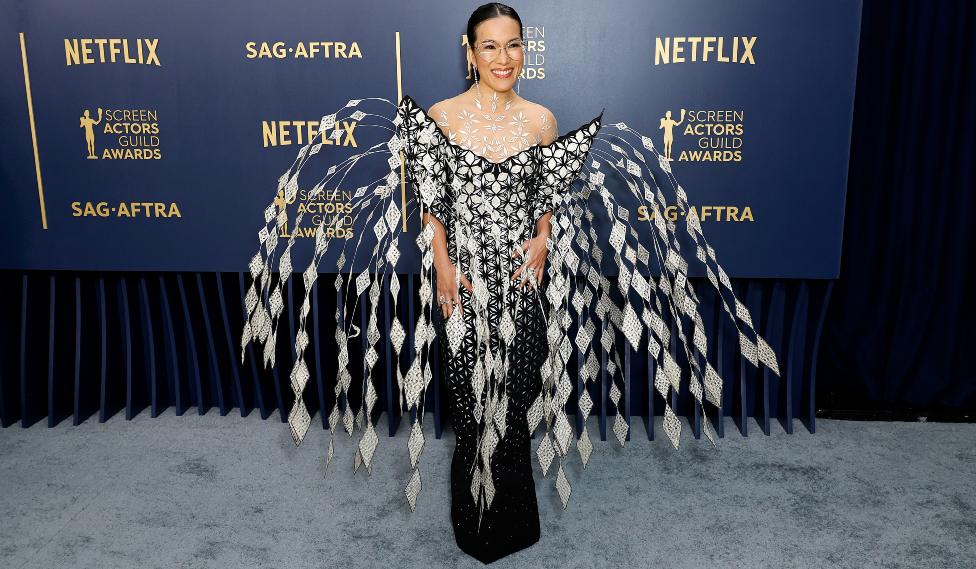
x: 235, y: 492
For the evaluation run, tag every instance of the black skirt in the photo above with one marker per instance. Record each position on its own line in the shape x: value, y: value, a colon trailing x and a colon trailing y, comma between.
x: 511, y: 523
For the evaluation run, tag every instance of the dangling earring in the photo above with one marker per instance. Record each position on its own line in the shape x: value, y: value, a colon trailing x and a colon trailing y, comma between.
x: 476, y: 86
x: 518, y: 82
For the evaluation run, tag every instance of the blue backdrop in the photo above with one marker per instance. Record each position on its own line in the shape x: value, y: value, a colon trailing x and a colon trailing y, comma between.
x: 203, y: 107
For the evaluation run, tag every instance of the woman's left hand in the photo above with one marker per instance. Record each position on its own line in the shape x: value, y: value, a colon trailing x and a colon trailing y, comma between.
x: 536, y: 251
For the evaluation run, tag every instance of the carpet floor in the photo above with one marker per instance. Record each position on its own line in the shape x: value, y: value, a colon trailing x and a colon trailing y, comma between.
x: 212, y: 491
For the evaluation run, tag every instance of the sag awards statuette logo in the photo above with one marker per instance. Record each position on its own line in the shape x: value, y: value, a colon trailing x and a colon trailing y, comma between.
x: 302, y: 50
x: 330, y: 208
x: 702, y: 49
x: 712, y: 135
x: 534, y: 65
x: 126, y: 134
x: 87, y: 51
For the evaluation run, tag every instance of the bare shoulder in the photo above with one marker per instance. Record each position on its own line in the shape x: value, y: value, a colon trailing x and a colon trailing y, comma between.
x: 442, y: 107
x: 548, y: 129
x: 440, y: 113
x: 438, y: 106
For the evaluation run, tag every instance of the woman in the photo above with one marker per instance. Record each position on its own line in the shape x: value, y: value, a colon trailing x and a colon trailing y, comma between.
x: 493, y: 503
x: 519, y: 288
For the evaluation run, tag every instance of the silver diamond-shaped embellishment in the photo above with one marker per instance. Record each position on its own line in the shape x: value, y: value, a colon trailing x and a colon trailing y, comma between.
x: 298, y: 421
x: 615, y: 394
x: 534, y: 414
x: 584, y: 446
x: 413, y: 488
x: 393, y: 254
x: 748, y: 349
x: 371, y: 396
x: 632, y: 328
x: 455, y: 330
x: 416, y: 443
x: 507, y: 327
x: 371, y: 357
x: 501, y: 414
x: 620, y: 429
x: 767, y: 355
x: 327, y: 122
x: 347, y: 420
x: 380, y: 230
x: 545, y: 453
x: 713, y: 385
x: 489, y: 485
x: 362, y: 281
x: 334, y: 418
x: 476, y: 484
x: 394, y: 285
x: 585, y: 404
x: 397, y: 334
x: 563, y: 432
x: 672, y: 426
x: 392, y: 215
x: 563, y: 486
x: 367, y: 445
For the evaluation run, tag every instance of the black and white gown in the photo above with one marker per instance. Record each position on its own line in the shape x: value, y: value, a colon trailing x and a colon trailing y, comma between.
x: 506, y: 357
x: 492, y: 354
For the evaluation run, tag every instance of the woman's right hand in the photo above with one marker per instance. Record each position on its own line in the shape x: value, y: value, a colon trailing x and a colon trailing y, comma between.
x: 447, y: 288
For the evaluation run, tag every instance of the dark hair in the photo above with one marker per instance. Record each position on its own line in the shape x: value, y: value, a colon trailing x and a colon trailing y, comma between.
x: 487, y: 12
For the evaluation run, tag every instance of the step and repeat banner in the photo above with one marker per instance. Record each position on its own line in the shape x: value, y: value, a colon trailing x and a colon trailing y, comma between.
x: 149, y: 136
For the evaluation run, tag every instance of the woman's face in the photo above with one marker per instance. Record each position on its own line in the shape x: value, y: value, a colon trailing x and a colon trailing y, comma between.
x: 497, y: 38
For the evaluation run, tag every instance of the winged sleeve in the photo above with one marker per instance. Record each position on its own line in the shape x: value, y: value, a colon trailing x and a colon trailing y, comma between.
x: 425, y: 155
x: 559, y: 164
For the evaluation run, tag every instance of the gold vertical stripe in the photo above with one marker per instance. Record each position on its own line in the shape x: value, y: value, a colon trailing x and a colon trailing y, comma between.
x: 30, y: 114
x: 403, y: 181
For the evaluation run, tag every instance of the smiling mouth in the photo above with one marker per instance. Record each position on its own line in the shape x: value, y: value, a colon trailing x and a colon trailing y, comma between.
x: 503, y: 74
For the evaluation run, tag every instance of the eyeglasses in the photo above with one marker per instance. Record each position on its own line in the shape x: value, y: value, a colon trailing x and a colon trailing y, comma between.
x: 489, y: 51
